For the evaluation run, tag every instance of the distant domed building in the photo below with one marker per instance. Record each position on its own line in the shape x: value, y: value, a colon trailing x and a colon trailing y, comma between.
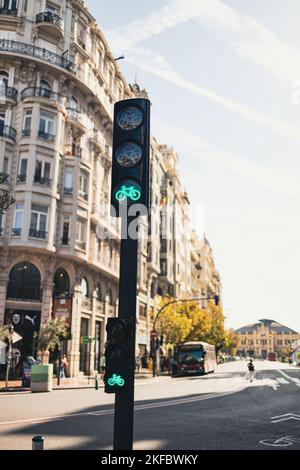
x: 259, y: 339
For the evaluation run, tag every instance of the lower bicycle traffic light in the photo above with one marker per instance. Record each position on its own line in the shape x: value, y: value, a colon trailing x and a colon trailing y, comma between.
x: 118, y: 353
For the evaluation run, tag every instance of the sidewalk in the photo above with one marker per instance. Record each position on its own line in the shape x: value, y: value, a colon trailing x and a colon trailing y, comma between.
x: 68, y: 383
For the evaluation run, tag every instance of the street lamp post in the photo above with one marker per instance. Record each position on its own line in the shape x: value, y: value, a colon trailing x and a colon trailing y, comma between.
x: 215, y: 297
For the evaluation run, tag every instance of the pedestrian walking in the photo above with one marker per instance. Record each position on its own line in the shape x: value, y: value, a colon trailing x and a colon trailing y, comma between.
x: 63, y: 366
x: 137, y: 363
x: 251, y: 370
x: 102, y: 366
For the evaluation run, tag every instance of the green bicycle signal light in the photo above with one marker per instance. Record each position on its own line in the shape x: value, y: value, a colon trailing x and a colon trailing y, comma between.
x: 128, y: 190
x: 118, y: 352
x: 116, y: 380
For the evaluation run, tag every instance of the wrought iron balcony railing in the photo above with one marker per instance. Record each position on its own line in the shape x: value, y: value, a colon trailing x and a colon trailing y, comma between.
x: 16, y: 232
x: 68, y: 191
x: 38, y: 233
x: 42, y: 180
x: 41, y: 93
x: 8, y: 92
x: 73, y: 113
x: 8, y: 11
x: 15, y: 47
x: 8, y: 132
x: 4, y: 177
x: 24, y: 293
x: 46, y: 136
x: 49, y: 17
x: 21, y: 178
x: 26, y: 132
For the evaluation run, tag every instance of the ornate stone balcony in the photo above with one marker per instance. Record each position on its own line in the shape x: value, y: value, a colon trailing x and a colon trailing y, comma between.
x: 15, y: 47
x: 40, y: 92
x: 50, y: 23
x: 8, y: 93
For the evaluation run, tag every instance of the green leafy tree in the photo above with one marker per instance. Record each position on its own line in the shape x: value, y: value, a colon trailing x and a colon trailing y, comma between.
x: 283, y: 354
x: 50, y: 336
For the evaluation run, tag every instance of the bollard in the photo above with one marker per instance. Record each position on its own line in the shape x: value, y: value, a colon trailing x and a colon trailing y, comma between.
x: 38, y: 443
x: 96, y: 382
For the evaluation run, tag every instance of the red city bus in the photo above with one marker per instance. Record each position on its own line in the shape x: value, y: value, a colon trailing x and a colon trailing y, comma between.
x: 196, y: 357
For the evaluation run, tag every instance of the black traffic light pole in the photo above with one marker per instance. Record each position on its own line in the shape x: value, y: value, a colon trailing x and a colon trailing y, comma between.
x: 124, y: 401
x: 129, y: 193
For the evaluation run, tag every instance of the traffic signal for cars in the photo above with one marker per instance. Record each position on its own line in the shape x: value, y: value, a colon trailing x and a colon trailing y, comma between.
x: 217, y: 299
x: 117, y: 354
x: 131, y: 149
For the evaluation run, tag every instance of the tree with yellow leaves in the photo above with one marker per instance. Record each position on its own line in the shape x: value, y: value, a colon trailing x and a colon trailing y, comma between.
x: 173, y: 323
x: 216, y: 333
x: 231, y: 342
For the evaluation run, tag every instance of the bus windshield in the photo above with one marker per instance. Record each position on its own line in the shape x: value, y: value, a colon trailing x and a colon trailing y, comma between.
x: 191, y: 356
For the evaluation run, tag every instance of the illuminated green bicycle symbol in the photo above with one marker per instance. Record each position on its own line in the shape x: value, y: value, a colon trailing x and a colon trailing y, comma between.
x: 116, y: 380
x: 129, y: 192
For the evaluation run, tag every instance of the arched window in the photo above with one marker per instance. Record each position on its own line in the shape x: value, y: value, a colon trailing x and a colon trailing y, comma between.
x: 110, y: 297
x: 73, y: 103
x: 3, y: 80
x: 153, y: 290
x: 98, y: 292
x: 61, y: 283
x: 84, y: 287
x: 24, y: 282
x: 45, y: 84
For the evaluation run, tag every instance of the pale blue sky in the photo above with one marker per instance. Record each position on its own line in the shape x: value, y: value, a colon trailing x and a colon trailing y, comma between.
x: 220, y: 75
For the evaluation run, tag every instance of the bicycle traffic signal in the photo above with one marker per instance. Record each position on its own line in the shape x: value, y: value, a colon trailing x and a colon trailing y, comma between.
x: 131, y: 153
x: 117, y: 354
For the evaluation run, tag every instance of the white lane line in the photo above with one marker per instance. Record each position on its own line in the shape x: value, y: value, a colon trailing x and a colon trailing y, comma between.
x: 136, y: 408
x: 281, y: 380
x: 294, y: 379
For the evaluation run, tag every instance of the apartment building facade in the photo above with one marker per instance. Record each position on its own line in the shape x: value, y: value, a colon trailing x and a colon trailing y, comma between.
x: 59, y: 247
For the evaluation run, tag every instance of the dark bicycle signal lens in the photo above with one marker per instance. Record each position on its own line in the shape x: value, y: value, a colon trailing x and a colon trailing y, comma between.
x: 129, y: 154
x: 118, y: 329
x: 129, y: 118
x: 116, y: 353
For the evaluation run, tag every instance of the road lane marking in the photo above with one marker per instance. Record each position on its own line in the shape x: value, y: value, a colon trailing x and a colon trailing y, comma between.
x: 136, y: 408
x: 281, y: 380
x: 285, y: 441
x: 294, y: 379
x: 285, y: 417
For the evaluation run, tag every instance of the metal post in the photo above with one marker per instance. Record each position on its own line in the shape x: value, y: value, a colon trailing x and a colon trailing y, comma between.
x: 59, y: 365
x: 153, y: 352
x: 38, y: 443
x: 9, y: 355
x: 124, y: 401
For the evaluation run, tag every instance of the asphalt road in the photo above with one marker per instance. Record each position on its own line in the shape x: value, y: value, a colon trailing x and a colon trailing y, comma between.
x: 219, y: 411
